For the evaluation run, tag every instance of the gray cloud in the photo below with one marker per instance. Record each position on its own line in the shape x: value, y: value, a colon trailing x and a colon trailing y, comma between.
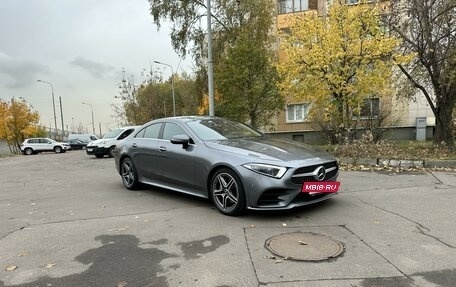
x: 19, y: 73
x: 96, y: 69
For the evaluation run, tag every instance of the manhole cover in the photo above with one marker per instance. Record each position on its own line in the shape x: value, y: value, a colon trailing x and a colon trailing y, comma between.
x: 304, y: 246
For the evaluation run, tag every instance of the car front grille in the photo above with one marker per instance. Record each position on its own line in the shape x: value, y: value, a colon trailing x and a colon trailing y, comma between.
x: 304, y: 174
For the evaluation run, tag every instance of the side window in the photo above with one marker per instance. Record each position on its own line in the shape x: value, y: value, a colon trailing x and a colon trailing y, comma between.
x: 125, y: 134
x: 44, y: 141
x: 33, y: 141
x: 141, y: 133
x: 152, y: 131
x: 172, y: 130
x: 93, y: 138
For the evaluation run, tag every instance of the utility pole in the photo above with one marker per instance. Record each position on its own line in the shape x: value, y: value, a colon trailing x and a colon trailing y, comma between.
x: 210, y: 64
x: 61, y: 115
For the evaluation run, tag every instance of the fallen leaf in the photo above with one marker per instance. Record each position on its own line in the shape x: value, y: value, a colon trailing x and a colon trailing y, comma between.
x: 270, y: 257
x: 253, y: 225
x: 122, y: 284
x: 284, y: 224
x: 22, y: 254
x: 300, y: 242
x: 278, y: 261
x: 50, y: 265
x: 11, y: 268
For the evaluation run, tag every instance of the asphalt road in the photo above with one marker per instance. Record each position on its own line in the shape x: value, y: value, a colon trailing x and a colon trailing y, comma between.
x: 66, y: 220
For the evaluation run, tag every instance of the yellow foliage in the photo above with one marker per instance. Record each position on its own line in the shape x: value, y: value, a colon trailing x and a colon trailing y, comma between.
x: 203, y: 108
x: 17, y: 121
x: 340, y: 58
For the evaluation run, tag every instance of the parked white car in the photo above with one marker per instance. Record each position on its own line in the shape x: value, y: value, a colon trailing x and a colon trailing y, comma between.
x: 36, y: 145
x: 106, y: 145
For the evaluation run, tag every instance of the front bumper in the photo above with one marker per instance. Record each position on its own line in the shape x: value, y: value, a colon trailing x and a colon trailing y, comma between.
x: 267, y: 193
x: 96, y: 150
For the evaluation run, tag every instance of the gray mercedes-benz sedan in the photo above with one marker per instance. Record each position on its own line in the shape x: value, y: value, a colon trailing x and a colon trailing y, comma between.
x: 234, y: 165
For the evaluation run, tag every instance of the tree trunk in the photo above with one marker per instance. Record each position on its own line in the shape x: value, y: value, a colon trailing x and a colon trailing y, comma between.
x: 444, y: 123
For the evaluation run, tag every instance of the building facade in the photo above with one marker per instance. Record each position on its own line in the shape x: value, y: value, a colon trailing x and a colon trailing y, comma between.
x: 293, y: 121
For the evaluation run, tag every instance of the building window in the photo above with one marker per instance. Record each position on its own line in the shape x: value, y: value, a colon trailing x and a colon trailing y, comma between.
x: 289, y: 6
x: 297, y: 112
x: 370, y: 108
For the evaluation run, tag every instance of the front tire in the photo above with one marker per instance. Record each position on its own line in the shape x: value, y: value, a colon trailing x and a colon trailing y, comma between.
x: 129, y: 174
x: 57, y: 149
x: 227, y: 192
x: 28, y: 151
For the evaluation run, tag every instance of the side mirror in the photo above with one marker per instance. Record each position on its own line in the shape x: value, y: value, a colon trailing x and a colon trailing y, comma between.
x: 184, y: 140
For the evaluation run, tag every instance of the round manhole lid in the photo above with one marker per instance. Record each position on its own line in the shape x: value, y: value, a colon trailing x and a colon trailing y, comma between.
x: 304, y: 246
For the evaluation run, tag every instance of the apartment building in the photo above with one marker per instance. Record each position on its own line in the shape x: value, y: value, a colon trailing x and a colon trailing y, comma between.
x: 293, y: 121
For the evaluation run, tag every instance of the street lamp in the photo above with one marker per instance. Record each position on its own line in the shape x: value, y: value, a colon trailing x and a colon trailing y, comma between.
x: 53, y: 103
x: 93, y: 123
x: 172, y: 84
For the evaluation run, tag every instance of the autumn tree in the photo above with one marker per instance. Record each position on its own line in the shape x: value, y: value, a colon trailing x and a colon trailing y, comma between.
x: 152, y: 99
x: 337, y: 61
x: 245, y: 75
x: 247, y: 81
x: 428, y: 29
x: 18, y: 122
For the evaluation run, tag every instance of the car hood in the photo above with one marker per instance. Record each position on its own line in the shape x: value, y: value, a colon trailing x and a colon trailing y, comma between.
x: 269, y: 148
x: 99, y: 141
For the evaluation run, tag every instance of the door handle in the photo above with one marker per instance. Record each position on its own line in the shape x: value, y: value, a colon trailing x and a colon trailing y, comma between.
x: 134, y: 145
x: 162, y: 148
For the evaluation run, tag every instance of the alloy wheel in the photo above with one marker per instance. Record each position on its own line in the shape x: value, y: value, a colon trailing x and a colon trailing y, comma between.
x: 225, y: 192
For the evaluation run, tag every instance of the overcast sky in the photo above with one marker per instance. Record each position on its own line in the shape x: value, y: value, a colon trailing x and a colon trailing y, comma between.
x: 80, y: 46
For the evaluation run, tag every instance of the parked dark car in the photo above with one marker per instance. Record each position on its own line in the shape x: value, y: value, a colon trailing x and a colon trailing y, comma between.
x: 76, y: 144
x: 234, y: 165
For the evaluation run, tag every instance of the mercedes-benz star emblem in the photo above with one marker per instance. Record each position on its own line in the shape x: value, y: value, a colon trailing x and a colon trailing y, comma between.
x: 320, y: 173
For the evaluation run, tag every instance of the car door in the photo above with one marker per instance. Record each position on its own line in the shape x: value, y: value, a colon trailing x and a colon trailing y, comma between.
x: 143, y: 150
x: 45, y: 145
x: 176, y: 164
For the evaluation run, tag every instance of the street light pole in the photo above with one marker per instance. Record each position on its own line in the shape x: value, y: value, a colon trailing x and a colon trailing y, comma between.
x: 93, y: 123
x: 53, y: 103
x: 172, y: 84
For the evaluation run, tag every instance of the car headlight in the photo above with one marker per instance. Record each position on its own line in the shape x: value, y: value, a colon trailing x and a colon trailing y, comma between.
x: 266, y: 169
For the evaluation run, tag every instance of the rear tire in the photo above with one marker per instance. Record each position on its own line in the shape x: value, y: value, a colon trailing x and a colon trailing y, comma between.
x: 111, y: 151
x: 57, y: 149
x: 28, y: 151
x: 129, y: 174
x: 227, y: 192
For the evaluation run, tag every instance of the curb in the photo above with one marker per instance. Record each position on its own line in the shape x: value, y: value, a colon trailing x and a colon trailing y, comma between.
x: 399, y: 162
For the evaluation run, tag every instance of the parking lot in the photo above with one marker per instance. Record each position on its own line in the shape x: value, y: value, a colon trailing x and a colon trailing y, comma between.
x: 67, y: 220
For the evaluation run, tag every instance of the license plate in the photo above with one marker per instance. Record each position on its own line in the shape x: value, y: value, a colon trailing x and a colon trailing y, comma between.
x: 90, y: 149
x: 320, y: 187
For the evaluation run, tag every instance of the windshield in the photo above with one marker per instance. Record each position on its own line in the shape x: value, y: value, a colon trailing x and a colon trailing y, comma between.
x: 112, y: 134
x: 221, y: 129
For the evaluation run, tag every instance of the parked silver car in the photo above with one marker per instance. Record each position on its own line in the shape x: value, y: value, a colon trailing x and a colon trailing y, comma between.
x: 232, y: 164
x: 36, y: 145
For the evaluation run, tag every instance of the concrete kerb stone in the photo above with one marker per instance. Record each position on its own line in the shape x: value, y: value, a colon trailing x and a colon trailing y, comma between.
x: 440, y: 163
x: 398, y: 163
